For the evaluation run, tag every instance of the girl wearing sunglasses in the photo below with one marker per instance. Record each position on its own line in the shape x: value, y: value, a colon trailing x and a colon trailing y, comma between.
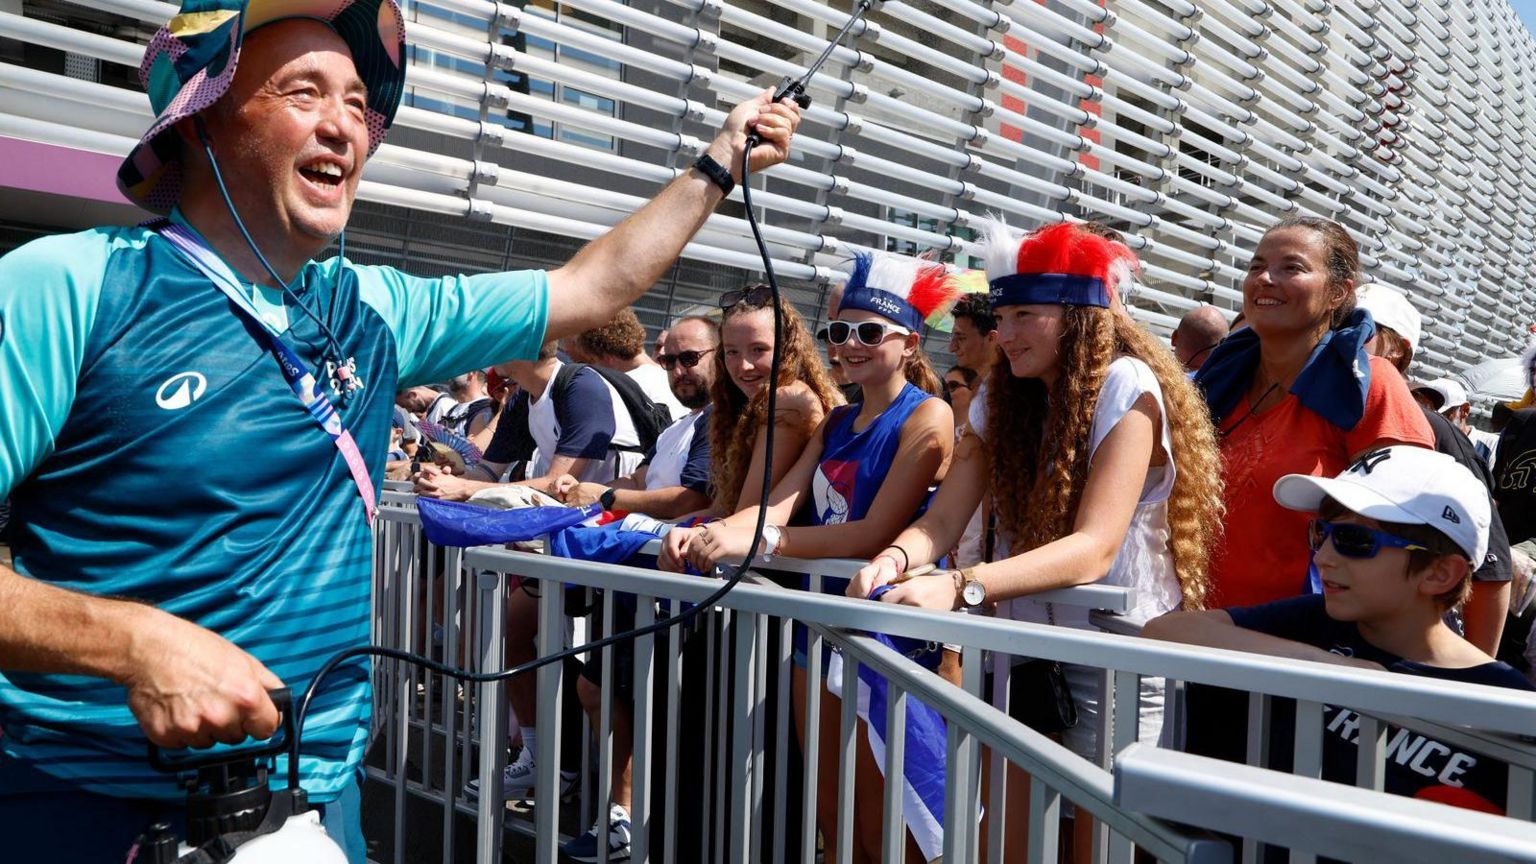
x: 862, y: 478
x: 1102, y: 467
x: 960, y: 382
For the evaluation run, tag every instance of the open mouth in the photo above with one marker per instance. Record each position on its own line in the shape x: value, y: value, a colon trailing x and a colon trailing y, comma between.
x: 326, y: 175
x: 855, y: 361
x: 1268, y: 301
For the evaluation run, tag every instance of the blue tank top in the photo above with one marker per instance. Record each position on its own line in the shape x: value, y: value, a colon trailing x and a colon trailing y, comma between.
x: 854, y: 464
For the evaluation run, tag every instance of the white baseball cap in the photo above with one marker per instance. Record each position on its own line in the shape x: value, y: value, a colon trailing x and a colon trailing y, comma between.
x: 1450, y: 391
x: 1407, y: 485
x: 1390, y: 308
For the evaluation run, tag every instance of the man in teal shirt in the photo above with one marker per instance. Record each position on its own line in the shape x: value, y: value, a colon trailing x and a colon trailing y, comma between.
x: 185, y: 537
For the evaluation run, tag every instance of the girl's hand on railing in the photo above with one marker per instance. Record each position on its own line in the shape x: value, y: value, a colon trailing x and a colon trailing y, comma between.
x: 879, y: 571
x: 674, y: 549
x: 714, y: 542
x: 939, y: 590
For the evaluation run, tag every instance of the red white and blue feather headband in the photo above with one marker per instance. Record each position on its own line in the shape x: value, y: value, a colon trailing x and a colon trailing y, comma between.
x: 906, y: 290
x: 1062, y: 264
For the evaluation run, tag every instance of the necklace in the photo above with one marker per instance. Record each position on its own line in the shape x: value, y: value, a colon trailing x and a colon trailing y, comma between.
x: 1252, y: 407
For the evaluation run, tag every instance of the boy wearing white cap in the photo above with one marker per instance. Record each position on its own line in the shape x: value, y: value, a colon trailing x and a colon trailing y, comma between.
x: 1398, y: 328
x: 1394, y: 540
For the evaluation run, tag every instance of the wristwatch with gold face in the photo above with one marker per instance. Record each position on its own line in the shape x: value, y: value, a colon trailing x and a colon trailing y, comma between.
x: 973, y: 592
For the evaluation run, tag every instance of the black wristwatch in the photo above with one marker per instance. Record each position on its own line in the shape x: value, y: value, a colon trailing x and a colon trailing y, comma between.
x: 606, y: 499
x: 717, y: 173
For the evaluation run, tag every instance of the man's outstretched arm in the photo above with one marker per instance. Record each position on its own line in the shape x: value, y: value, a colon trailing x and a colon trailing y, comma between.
x: 187, y: 686
x: 612, y: 271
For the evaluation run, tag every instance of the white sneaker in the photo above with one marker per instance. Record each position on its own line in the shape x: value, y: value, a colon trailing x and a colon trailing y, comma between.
x: 517, y: 779
x: 585, y: 847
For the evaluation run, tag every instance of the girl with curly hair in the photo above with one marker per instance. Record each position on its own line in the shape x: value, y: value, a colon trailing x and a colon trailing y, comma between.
x: 1099, y: 455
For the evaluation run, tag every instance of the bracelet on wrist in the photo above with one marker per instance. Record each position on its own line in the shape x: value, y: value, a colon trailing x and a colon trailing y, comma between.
x: 906, y: 560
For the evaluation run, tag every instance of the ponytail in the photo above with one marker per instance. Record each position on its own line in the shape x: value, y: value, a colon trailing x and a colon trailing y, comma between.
x: 921, y: 374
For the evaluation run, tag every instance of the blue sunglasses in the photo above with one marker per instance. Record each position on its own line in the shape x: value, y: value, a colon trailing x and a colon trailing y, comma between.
x: 1356, y: 541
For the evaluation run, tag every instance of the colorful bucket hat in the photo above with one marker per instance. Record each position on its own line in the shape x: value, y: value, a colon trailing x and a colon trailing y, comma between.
x: 191, y: 61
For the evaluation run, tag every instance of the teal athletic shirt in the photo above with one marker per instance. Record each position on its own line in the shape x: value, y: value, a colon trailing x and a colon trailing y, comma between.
x: 153, y: 451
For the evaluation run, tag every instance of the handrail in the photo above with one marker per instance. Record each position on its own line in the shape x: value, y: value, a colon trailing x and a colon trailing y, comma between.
x: 1339, y: 821
x: 1373, y: 692
x: 1111, y: 599
x: 1078, y: 780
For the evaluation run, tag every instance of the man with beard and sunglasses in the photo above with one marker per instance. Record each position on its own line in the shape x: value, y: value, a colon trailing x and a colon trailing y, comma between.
x: 673, y: 481
x: 1394, y: 540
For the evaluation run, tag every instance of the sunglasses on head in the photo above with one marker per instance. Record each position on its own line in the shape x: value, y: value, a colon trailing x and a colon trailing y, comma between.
x: 687, y: 359
x: 1356, y: 541
x: 752, y: 295
x: 869, y: 333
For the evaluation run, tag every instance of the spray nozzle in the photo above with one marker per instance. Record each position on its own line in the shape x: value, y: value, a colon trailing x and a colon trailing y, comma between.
x: 793, y: 88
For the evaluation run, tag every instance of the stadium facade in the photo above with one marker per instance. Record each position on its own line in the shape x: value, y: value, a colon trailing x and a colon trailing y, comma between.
x: 1189, y: 126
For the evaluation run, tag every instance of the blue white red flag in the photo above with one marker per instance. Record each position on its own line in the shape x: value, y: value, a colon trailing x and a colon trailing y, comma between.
x: 924, y: 766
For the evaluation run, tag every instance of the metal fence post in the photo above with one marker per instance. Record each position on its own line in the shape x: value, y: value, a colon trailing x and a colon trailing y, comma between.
x: 551, y: 693
x: 491, y: 715
x: 640, y: 729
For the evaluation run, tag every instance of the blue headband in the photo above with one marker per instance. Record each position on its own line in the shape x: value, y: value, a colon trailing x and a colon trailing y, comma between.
x: 882, y: 303
x: 1062, y: 289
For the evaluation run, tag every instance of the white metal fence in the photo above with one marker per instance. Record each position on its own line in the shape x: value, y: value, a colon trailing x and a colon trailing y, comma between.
x: 742, y: 804
x: 1188, y: 124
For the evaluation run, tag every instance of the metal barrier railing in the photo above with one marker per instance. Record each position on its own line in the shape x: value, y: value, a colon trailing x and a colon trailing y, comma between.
x: 1269, y: 807
x: 749, y: 725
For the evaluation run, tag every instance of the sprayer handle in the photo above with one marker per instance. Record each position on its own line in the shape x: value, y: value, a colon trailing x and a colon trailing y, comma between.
x: 282, y: 697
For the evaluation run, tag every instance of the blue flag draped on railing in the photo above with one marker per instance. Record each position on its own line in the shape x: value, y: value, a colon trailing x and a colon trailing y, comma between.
x: 449, y: 523
x: 614, y: 543
x: 924, y: 768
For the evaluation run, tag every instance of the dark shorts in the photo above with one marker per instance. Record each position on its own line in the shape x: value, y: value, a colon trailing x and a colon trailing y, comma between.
x: 622, y: 655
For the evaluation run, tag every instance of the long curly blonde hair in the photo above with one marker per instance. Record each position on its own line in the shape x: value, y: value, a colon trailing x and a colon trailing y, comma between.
x: 734, y: 425
x: 1037, y: 504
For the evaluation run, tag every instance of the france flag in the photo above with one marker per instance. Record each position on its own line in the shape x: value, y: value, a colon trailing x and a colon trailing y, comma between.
x: 924, y: 769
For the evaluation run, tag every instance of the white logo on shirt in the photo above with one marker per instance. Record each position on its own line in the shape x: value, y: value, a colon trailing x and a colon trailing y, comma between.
x: 181, y: 390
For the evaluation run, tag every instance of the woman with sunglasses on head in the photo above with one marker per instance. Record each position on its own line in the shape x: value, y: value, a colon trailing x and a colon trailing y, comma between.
x: 863, y: 476
x: 1102, y: 467
x: 743, y: 363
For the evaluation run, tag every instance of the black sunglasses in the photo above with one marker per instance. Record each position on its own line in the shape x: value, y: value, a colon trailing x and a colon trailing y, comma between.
x: 952, y: 386
x: 687, y: 359
x: 869, y: 333
x: 1355, y: 541
x: 752, y: 295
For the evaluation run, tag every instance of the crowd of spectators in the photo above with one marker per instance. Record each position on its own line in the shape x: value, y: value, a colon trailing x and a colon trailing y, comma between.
x: 1269, y: 482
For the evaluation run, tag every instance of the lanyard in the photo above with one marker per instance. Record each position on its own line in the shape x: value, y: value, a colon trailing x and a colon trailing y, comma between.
x: 308, y: 391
